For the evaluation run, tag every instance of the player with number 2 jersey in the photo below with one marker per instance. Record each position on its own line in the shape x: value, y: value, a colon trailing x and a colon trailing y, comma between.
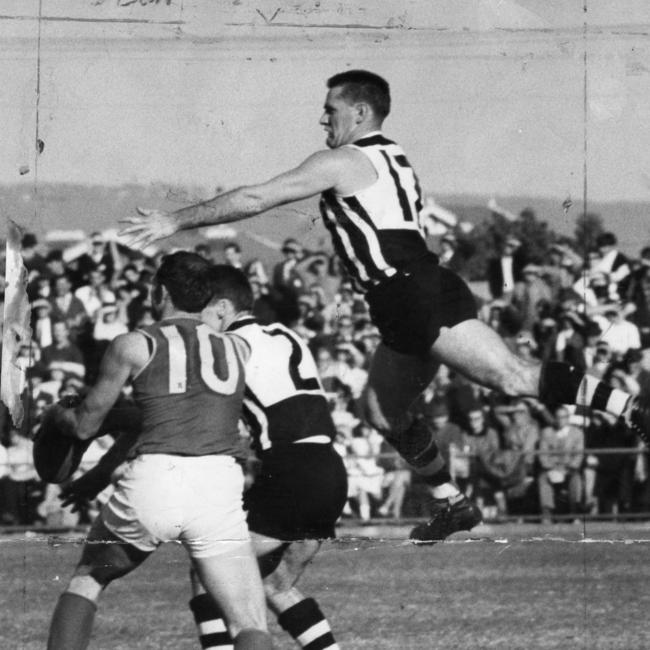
x: 301, y: 486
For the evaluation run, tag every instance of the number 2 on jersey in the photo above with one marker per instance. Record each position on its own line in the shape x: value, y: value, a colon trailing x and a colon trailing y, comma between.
x: 207, y: 338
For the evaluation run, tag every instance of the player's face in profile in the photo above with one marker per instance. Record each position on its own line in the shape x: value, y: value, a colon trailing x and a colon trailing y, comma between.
x: 338, y: 119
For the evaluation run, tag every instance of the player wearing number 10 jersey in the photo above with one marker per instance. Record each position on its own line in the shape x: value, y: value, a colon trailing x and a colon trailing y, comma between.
x: 301, y: 486
x: 189, y: 382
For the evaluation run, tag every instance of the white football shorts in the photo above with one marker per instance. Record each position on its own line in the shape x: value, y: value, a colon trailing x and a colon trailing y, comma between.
x: 196, y: 500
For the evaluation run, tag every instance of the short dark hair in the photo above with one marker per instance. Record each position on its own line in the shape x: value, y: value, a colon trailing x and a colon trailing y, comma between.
x: 229, y: 283
x: 234, y: 245
x: 186, y: 277
x: 606, y: 239
x: 364, y: 86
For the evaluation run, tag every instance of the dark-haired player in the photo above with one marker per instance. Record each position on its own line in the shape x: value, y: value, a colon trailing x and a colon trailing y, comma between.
x: 301, y: 484
x: 189, y: 383
x: 371, y: 204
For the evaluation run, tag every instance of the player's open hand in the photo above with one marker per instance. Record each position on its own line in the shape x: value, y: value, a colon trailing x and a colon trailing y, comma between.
x: 150, y: 226
x: 80, y: 492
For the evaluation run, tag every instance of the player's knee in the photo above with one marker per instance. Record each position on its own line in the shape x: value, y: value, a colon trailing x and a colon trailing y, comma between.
x: 511, y: 376
x: 269, y: 562
x: 86, y: 586
x: 253, y: 639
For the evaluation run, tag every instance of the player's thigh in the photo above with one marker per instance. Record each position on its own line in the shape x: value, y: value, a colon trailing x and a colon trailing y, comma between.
x: 478, y: 352
x: 233, y: 580
x: 395, y: 380
x: 264, y: 545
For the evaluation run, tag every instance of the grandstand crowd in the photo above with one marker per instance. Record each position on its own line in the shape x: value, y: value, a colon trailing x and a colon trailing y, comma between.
x: 514, y: 457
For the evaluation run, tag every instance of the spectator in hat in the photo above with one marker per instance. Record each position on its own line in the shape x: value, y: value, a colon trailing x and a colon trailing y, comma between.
x: 561, y: 450
x: 317, y: 269
x: 34, y: 262
x: 505, y: 271
x: 569, y: 340
x: 286, y: 278
x: 326, y: 368
x: 232, y: 255
x: 42, y: 322
x: 447, y: 435
x: 100, y: 255
x: 205, y: 251
x: 638, y: 297
x: 528, y: 294
x: 592, y: 334
x: 520, y: 431
x: 481, y: 440
x: 54, y: 263
x: 308, y: 321
x: 613, y: 264
x: 348, y: 362
x: 66, y: 306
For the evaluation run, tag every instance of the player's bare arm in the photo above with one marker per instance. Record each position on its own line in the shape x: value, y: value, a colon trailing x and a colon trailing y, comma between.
x: 335, y: 169
x: 125, y: 356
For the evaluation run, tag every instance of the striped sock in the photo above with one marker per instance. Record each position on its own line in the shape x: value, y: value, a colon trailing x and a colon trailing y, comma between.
x: 308, y: 626
x: 213, y: 633
x: 561, y: 383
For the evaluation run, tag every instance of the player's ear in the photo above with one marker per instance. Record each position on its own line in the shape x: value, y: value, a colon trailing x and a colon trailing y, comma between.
x: 363, y: 111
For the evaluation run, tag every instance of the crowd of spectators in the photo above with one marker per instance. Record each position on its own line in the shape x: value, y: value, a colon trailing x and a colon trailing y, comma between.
x: 515, y: 457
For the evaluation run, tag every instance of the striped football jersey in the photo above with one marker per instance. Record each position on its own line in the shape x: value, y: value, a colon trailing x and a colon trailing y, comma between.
x: 378, y: 231
x: 284, y: 399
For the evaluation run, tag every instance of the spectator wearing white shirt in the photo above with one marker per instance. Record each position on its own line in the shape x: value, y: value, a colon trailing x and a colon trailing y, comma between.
x: 613, y: 263
x: 20, y: 480
x: 94, y: 293
x: 618, y: 332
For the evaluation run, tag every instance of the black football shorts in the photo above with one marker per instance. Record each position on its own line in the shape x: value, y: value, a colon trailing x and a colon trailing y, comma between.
x: 410, y: 308
x: 299, y: 492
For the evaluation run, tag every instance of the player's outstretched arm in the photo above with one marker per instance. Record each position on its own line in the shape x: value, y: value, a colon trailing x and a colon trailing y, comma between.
x: 320, y: 172
x: 125, y: 355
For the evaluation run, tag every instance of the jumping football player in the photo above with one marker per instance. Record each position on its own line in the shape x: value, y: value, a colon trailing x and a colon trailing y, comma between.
x: 301, y: 484
x: 189, y: 383
x: 371, y: 204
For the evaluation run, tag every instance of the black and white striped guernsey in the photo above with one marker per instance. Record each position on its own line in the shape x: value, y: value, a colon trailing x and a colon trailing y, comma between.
x: 378, y: 231
x: 284, y: 401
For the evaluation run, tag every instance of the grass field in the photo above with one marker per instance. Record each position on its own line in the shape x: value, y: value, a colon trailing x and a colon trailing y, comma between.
x: 515, y: 587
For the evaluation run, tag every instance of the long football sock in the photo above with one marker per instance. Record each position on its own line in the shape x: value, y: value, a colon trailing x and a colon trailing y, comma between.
x: 72, y: 623
x: 561, y: 383
x: 416, y: 445
x: 213, y: 633
x: 305, y: 622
